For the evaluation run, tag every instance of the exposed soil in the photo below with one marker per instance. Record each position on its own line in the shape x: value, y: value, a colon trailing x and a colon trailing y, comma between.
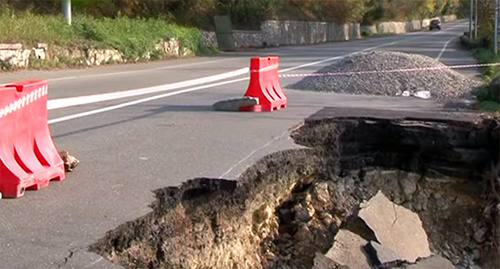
x: 289, y: 205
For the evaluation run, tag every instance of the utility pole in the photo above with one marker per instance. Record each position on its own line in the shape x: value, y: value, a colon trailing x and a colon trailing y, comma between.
x: 66, y: 10
x: 495, y: 39
x: 470, y: 18
x: 475, y: 21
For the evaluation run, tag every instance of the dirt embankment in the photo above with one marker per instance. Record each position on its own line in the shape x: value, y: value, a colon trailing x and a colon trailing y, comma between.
x: 290, y: 205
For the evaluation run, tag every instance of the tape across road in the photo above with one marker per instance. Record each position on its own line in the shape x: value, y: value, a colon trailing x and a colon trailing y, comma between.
x: 402, y: 70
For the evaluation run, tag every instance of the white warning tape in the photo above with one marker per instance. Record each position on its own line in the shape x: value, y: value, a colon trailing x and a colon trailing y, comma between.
x: 431, y: 68
x: 267, y: 68
x: 23, y: 101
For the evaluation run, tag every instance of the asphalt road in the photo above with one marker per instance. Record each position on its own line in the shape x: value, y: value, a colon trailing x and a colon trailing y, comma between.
x: 130, y: 145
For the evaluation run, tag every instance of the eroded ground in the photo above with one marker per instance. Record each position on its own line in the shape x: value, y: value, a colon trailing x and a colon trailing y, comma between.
x: 289, y: 205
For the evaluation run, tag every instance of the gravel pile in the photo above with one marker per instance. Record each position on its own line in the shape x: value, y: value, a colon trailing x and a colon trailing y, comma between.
x: 443, y: 83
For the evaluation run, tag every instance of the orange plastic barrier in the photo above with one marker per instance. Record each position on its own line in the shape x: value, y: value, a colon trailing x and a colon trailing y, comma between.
x: 28, y: 157
x: 265, y: 85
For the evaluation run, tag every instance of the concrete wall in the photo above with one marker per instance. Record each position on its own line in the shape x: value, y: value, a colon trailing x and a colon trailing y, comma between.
x: 426, y: 23
x: 369, y: 29
x: 449, y: 18
x: 391, y: 27
x: 247, y: 39
x: 414, y: 25
x: 278, y: 33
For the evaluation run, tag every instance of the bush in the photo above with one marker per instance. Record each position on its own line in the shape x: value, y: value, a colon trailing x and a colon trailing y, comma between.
x: 486, y: 56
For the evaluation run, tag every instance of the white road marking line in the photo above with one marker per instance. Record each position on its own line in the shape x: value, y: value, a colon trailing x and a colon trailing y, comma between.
x: 253, y: 152
x: 444, y: 48
x: 139, y: 101
x: 90, y: 99
x: 94, y: 262
x: 141, y: 70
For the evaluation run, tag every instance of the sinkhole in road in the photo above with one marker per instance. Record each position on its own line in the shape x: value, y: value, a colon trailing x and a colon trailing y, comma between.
x: 289, y: 206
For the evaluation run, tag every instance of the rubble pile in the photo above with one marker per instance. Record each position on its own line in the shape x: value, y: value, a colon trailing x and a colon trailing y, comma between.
x: 367, y: 73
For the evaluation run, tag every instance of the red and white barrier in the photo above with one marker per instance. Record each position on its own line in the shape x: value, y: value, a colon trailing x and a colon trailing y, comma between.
x: 28, y: 157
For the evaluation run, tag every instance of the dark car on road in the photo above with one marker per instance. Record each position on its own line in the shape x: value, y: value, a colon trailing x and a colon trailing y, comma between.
x: 435, y: 24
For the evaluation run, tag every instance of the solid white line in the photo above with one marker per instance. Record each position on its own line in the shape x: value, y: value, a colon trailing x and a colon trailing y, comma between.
x: 139, y: 101
x: 141, y: 70
x: 253, y: 152
x: 90, y: 99
x: 444, y: 48
x: 94, y: 263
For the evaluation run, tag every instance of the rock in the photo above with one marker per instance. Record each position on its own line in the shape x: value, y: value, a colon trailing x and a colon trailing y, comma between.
x: 396, y: 227
x: 322, y: 262
x: 379, y: 254
x: 7, y: 46
x: 480, y: 235
x: 70, y: 162
x: 347, y: 250
x: 286, y: 215
x: 103, y: 56
x: 235, y: 104
x: 301, y: 214
x: 433, y: 262
x: 42, y: 46
x: 303, y: 234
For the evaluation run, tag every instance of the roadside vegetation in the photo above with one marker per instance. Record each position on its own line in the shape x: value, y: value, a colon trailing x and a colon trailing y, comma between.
x: 132, y: 36
x: 483, y: 49
x: 248, y: 14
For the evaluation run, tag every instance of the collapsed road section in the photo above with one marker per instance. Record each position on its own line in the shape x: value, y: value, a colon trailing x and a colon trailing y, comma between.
x: 364, y: 176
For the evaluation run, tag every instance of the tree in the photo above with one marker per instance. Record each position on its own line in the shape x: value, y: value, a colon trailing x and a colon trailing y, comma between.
x: 343, y: 11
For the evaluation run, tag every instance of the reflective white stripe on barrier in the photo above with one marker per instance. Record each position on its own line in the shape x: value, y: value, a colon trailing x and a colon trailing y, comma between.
x: 23, y: 101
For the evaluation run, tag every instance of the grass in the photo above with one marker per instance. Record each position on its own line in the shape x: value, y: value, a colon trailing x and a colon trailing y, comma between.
x: 486, y: 56
x: 134, y: 37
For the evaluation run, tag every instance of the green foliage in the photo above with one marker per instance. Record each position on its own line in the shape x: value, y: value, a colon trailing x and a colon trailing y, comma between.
x: 29, y: 27
x: 485, y: 56
x: 489, y: 106
x: 248, y: 14
x: 134, y: 37
x: 482, y: 94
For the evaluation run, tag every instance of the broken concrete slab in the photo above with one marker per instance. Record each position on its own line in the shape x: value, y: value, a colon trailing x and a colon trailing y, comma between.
x: 379, y: 254
x: 235, y: 104
x: 323, y: 262
x: 396, y: 227
x: 347, y: 250
x: 433, y: 262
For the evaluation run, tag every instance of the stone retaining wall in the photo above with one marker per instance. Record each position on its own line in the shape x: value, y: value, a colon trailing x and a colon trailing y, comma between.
x: 14, y: 56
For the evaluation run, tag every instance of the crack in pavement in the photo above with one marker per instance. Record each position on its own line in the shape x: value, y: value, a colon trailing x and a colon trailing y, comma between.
x: 68, y: 257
